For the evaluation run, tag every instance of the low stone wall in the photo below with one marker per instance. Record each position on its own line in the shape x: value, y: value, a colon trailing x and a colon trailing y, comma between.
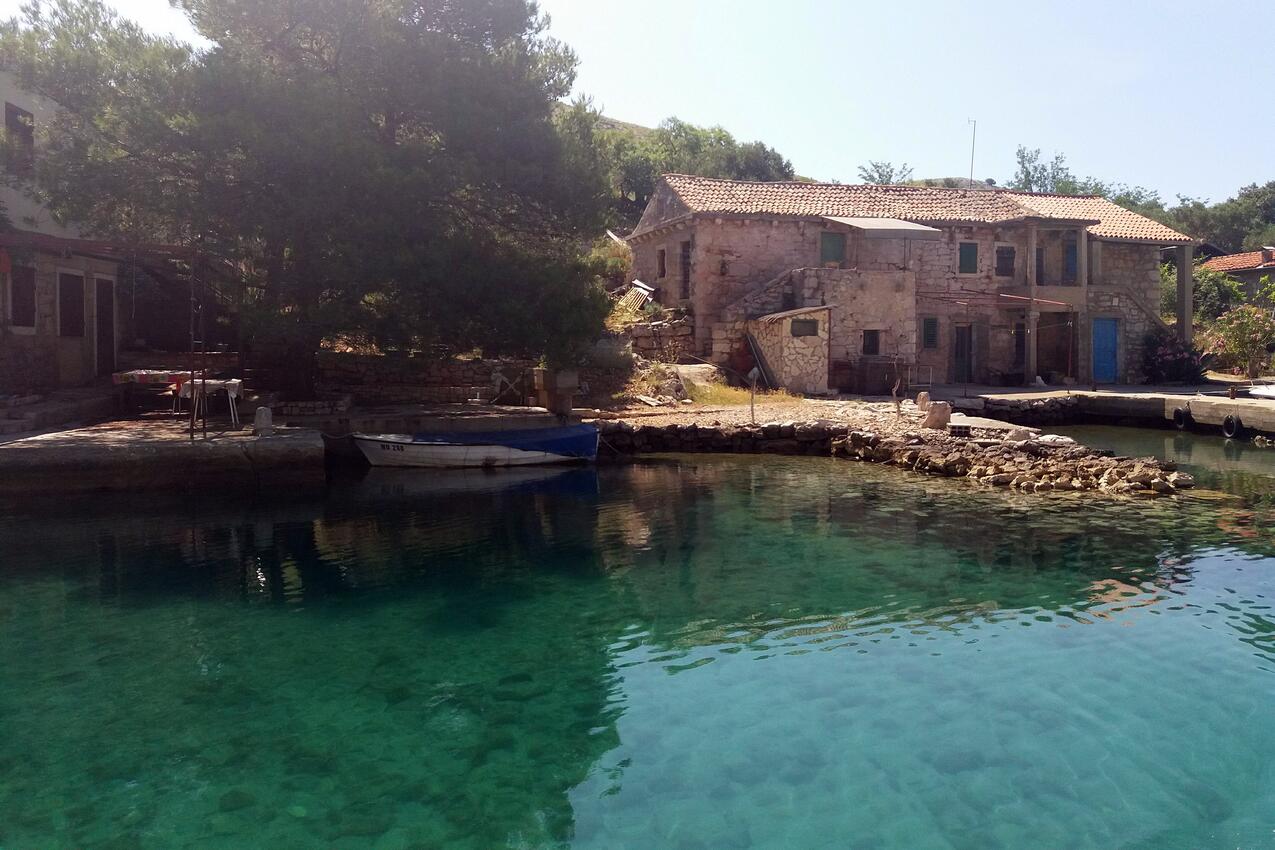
x: 374, y: 379
x: 1021, y: 465
x: 666, y: 342
x: 330, y: 406
x: 806, y: 438
x: 1054, y: 410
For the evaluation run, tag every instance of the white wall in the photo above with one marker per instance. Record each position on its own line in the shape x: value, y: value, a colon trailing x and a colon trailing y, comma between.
x: 25, y: 213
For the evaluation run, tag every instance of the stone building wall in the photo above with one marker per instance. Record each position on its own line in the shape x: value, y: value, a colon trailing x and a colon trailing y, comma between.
x: 740, y: 271
x: 798, y: 363
x: 1129, y: 293
x: 41, y: 359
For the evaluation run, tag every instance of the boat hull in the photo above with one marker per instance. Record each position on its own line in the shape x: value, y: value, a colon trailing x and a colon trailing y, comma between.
x: 514, y: 448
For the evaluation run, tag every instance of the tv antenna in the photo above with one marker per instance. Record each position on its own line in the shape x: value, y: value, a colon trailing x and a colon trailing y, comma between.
x: 973, y: 137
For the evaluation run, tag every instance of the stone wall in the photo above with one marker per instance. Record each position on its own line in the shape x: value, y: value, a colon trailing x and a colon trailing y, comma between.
x: 1130, y: 293
x: 798, y: 363
x: 665, y: 342
x: 740, y: 270
x: 374, y: 379
x: 41, y: 358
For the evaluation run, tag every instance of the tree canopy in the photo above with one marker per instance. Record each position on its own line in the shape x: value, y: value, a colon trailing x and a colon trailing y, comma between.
x: 379, y: 167
x: 884, y: 173
x: 1245, y: 222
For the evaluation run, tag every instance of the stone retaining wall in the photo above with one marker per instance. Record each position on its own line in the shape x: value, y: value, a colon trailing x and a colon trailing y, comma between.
x: 1055, y: 410
x: 377, y: 379
x: 1022, y: 465
x: 665, y: 342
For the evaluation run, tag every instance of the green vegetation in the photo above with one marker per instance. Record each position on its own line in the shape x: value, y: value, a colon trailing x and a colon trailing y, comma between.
x: 626, y: 160
x: 1214, y: 292
x: 1245, y: 222
x: 1166, y: 359
x: 1246, y: 334
x: 381, y: 169
x: 885, y: 173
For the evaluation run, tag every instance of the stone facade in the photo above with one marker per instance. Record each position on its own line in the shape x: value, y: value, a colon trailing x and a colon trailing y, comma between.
x: 798, y: 361
x: 39, y: 357
x: 948, y: 324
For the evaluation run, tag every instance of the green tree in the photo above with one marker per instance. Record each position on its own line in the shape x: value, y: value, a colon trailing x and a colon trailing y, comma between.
x: 370, y: 166
x: 884, y: 173
x: 638, y: 156
x: 1214, y: 292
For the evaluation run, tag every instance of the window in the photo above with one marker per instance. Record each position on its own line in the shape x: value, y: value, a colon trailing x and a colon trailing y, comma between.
x: 661, y: 268
x: 19, y: 128
x: 686, y: 270
x: 832, y: 248
x: 872, y: 342
x: 930, y: 333
x: 1040, y: 265
x: 1069, y: 261
x: 1005, y: 257
x: 805, y: 327
x: 70, y: 305
x: 969, y: 258
x: 22, y: 297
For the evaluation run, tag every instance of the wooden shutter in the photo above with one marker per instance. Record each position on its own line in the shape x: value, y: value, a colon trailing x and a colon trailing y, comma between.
x: 22, y: 297
x: 70, y: 305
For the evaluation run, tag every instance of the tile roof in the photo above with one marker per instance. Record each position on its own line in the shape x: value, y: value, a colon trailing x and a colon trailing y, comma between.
x: 1240, y: 262
x: 912, y: 203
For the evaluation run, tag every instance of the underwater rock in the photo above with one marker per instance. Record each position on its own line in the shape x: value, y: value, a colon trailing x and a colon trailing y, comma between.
x: 235, y: 799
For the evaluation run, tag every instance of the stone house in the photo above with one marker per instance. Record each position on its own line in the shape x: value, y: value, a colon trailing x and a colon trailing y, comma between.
x: 1249, y: 267
x: 61, y: 322
x: 932, y: 284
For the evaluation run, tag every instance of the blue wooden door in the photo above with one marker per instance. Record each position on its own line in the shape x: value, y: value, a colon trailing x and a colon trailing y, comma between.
x: 1104, y: 351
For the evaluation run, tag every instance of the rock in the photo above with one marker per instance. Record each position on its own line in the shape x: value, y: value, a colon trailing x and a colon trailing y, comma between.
x: 263, y: 422
x: 1018, y: 435
x: 1161, y: 486
x: 297, y: 811
x: 235, y: 799
x: 938, y: 416
x: 1181, y: 480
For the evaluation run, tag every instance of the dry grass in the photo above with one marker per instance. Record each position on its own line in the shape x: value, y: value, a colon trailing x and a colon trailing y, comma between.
x: 723, y: 394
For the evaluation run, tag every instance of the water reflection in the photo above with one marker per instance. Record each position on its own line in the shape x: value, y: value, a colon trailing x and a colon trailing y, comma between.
x: 479, y: 660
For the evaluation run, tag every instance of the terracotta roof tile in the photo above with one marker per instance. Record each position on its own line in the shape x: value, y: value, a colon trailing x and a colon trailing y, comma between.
x: 912, y: 203
x: 1240, y: 262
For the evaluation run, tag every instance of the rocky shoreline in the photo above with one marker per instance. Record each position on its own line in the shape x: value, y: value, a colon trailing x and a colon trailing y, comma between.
x: 1021, y: 462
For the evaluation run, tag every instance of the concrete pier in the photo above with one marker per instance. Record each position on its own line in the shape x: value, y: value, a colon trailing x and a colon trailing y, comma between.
x: 1149, y: 405
x: 156, y: 455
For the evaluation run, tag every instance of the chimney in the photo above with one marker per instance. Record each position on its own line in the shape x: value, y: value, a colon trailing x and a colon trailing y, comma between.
x: 1268, y: 254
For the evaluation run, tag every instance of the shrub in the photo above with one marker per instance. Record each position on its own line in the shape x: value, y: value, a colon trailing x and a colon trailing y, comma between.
x: 1245, y: 333
x: 1166, y: 359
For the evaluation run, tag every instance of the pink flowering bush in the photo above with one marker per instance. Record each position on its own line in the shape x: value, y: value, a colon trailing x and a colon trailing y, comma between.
x: 1166, y: 359
x: 1246, y: 334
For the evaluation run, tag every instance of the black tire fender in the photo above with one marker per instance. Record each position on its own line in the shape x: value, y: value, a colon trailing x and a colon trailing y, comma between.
x: 1232, y: 426
x: 1182, y: 418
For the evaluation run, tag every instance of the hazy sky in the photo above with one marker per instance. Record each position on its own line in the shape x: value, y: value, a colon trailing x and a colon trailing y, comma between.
x: 1171, y: 95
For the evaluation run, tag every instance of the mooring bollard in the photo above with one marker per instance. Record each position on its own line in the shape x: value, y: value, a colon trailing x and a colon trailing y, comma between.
x: 263, y: 422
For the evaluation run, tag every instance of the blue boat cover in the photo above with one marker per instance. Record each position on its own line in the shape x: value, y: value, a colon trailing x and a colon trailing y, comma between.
x: 580, y: 441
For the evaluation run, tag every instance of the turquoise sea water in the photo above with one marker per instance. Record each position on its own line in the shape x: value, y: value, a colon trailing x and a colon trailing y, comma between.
x: 708, y: 652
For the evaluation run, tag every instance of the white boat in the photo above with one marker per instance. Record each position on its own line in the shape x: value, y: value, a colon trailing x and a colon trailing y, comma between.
x: 1262, y: 391
x: 568, y: 444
